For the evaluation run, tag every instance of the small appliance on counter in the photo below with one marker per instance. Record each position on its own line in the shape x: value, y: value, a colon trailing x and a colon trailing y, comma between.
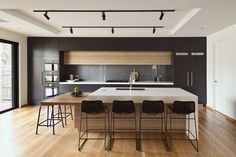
x: 156, y: 73
x: 133, y: 76
x: 73, y: 78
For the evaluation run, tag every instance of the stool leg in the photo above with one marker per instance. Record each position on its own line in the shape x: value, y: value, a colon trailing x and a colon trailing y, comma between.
x: 136, y: 132
x: 80, y: 124
x: 109, y: 131
x: 65, y: 114
x: 162, y: 133
x: 53, y: 124
x: 47, y: 115
x: 140, y: 128
x: 196, y: 130
x: 188, y: 124
x: 60, y: 112
x: 71, y: 112
x: 86, y: 126
x: 112, y: 129
x: 38, y: 120
x: 170, y: 132
x: 105, y: 129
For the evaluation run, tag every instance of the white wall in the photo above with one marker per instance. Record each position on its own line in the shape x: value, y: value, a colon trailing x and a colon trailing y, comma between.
x: 22, y: 40
x: 221, y: 66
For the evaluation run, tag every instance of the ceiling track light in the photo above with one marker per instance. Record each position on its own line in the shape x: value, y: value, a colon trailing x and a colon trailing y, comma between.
x: 113, y: 27
x: 103, y: 16
x: 162, y: 15
x: 120, y: 11
x: 112, y: 30
x: 46, y: 15
x: 71, y: 30
x: 154, y: 30
x: 104, y: 11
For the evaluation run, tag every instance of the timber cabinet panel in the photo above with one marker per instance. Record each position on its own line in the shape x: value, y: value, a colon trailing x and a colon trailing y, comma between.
x: 116, y: 58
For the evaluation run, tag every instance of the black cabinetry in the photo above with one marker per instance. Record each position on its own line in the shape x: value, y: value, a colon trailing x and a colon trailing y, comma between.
x: 39, y: 50
x: 190, y: 66
x: 42, y: 49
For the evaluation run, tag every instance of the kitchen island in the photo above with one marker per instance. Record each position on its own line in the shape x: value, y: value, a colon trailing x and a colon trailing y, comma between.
x: 91, y: 86
x: 168, y: 95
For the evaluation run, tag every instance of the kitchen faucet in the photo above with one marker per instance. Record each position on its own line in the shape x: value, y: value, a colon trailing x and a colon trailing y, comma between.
x: 130, y: 83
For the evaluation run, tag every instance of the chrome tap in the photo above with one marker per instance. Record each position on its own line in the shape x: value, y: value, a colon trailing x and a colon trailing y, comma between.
x: 130, y: 83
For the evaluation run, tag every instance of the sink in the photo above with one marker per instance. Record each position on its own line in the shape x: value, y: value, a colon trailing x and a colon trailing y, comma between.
x: 127, y: 88
x: 116, y: 81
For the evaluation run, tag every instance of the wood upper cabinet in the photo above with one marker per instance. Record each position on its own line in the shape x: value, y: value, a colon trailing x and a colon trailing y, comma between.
x: 117, y: 58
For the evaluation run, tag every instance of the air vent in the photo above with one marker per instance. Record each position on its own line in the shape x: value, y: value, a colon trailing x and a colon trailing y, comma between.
x: 1, y: 20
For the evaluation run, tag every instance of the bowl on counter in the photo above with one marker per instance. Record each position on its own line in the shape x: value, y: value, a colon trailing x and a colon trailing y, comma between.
x: 75, y: 80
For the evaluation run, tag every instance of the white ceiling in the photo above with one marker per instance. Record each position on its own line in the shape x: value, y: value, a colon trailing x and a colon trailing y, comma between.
x: 192, y: 17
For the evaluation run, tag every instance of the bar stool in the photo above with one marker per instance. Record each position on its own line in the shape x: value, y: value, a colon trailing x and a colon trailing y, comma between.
x: 185, y: 108
x: 123, y: 108
x: 90, y: 108
x: 51, y: 117
x: 153, y: 109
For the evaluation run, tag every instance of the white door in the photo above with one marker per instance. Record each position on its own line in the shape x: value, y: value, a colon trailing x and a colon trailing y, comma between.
x: 225, y: 78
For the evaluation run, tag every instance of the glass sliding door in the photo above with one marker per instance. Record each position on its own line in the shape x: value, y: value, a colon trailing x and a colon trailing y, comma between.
x: 8, y: 75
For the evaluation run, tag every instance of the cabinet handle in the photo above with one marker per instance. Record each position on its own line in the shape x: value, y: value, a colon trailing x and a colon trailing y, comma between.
x: 191, y: 78
x: 187, y: 78
x: 42, y: 77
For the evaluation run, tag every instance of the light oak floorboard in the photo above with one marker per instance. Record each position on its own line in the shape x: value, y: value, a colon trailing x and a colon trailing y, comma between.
x: 18, y: 139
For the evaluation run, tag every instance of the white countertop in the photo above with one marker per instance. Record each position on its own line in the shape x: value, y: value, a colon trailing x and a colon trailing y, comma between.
x: 168, y: 95
x: 120, y: 83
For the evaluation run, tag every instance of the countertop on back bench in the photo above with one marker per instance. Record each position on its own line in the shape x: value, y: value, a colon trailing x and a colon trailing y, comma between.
x: 120, y: 83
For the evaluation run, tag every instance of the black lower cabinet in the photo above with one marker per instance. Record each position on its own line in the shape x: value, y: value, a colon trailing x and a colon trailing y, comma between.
x: 190, y: 73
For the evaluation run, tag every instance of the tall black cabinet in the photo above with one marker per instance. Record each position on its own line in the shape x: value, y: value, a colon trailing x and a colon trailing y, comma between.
x: 190, y: 66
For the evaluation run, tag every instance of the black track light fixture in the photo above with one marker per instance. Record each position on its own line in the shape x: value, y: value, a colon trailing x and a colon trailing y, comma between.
x: 103, y: 16
x: 162, y: 15
x: 46, y: 15
x: 71, y: 30
x: 154, y: 30
x: 112, y: 30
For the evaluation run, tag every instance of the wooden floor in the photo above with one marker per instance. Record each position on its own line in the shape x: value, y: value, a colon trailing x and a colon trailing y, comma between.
x: 18, y: 139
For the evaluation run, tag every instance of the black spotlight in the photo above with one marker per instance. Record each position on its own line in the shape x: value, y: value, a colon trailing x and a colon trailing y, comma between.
x: 112, y: 30
x: 103, y: 16
x: 71, y: 30
x: 46, y: 15
x: 154, y: 30
x: 161, y: 16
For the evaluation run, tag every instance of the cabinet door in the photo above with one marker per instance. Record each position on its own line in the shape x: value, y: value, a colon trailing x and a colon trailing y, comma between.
x: 35, y: 69
x: 37, y: 80
x: 198, y: 76
x: 182, y: 70
x: 190, y: 73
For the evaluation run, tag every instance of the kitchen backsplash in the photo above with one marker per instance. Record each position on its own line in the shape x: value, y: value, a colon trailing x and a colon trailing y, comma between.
x: 115, y: 72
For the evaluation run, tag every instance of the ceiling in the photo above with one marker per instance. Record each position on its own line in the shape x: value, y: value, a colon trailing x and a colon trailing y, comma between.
x: 191, y: 18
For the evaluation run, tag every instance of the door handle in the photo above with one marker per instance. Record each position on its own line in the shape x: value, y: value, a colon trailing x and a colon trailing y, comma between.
x: 191, y: 78
x: 187, y: 78
x: 42, y: 78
